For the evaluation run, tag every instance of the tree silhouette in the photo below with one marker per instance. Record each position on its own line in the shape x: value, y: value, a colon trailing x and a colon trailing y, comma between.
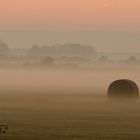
x: 48, y: 61
x: 132, y: 60
x: 3, y: 47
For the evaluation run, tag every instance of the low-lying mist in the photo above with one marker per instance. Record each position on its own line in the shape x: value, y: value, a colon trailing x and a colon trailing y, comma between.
x: 66, y: 104
x: 64, y: 81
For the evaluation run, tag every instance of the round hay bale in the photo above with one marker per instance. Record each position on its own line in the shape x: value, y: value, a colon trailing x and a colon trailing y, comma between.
x: 124, y: 89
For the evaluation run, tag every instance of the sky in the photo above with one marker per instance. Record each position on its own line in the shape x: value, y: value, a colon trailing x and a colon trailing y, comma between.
x: 68, y: 18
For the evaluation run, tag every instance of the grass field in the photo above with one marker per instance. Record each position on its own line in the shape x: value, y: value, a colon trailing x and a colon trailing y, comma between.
x: 83, y: 114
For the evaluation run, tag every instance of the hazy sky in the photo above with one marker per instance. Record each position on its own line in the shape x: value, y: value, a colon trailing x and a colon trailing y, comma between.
x: 69, y: 14
x: 73, y: 20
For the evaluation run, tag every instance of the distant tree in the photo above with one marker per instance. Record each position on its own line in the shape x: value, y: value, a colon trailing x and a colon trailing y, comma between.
x: 67, y: 49
x: 3, y: 47
x: 34, y: 49
x: 48, y: 61
x: 73, y: 49
x: 132, y: 60
x: 103, y: 59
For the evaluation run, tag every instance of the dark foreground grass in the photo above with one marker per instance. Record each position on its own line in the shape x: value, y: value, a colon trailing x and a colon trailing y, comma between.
x: 38, y: 116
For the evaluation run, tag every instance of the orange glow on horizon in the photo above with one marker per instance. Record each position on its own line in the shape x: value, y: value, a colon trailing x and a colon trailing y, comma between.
x: 47, y: 14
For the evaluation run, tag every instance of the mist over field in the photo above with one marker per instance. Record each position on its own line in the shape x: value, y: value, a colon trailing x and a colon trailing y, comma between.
x: 40, y: 103
x: 69, y: 70
x: 59, y: 91
x: 43, y: 80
